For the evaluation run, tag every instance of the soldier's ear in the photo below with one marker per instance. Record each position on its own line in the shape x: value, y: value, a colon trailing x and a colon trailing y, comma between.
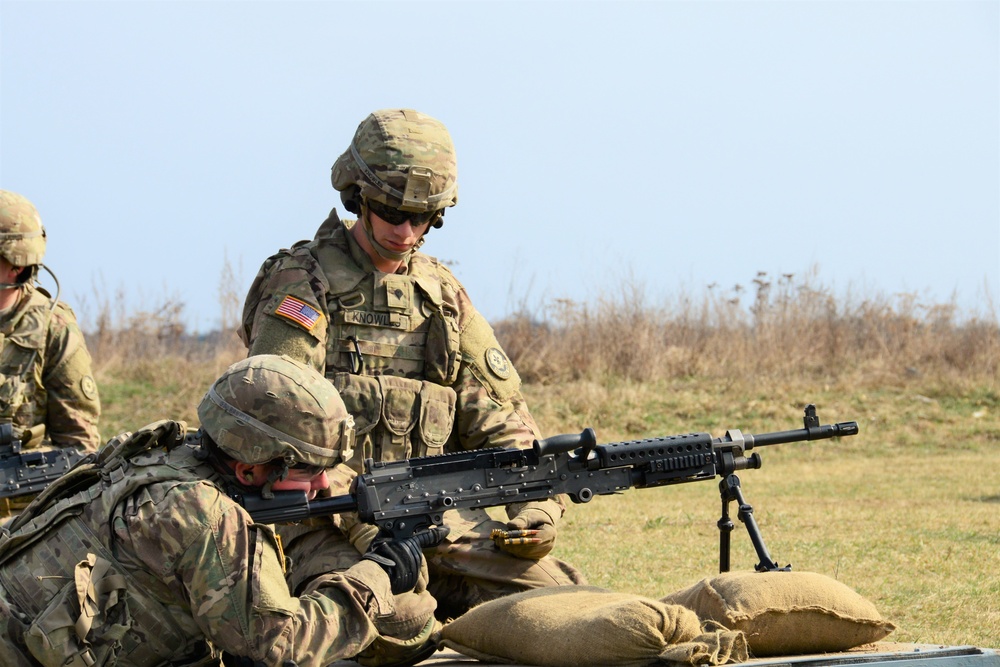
x: 249, y: 474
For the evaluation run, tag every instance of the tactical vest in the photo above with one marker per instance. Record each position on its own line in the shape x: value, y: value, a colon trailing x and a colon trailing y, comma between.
x: 80, y: 605
x: 392, y: 349
x: 22, y: 358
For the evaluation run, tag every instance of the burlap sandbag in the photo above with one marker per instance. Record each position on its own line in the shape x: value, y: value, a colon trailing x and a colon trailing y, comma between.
x: 785, y: 613
x: 573, y: 626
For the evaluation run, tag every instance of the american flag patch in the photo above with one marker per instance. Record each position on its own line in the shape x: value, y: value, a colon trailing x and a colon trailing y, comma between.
x: 298, y: 311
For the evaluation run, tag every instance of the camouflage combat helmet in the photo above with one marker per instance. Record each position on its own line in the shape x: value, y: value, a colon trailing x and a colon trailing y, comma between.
x: 22, y: 237
x: 268, y: 407
x: 401, y: 158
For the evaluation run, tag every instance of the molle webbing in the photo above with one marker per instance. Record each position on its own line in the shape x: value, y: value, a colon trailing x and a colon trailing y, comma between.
x: 24, y: 399
x: 387, y: 350
x: 32, y: 582
x: 384, y: 317
x: 39, y: 559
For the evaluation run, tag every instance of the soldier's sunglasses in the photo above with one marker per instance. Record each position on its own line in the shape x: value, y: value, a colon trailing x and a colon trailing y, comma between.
x: 309, y: 470
x: 396, y: 217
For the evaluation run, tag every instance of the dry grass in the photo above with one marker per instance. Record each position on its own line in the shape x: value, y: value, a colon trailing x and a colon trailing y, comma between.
x: 907, y: 512
x: 783, y: 328
x: 147, y: 366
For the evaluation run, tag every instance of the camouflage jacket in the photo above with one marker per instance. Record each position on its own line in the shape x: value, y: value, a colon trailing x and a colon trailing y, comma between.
x: 417, y: 365
x: 142, y: 559
x: 45, y: 373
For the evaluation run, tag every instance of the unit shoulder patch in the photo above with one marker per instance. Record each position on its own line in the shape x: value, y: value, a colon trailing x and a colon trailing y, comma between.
x: 88, y: 387
x: 498, y: 363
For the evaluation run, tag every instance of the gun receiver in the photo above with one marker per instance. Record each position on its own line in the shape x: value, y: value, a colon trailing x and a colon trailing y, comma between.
x: 27, y: 472
x: 403, y: 497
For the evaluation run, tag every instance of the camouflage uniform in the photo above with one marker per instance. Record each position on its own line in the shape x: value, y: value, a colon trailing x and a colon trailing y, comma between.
x: 46, y: 374
x: 47, y: 388
x: 138, y: 556
x: 417, y: 365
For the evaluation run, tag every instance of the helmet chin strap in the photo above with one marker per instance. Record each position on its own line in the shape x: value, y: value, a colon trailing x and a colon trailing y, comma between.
x: 383, y: 252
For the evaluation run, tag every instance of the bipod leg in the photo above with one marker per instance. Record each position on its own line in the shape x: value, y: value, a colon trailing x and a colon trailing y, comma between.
x: 730, y: 490
x: 726, y: 527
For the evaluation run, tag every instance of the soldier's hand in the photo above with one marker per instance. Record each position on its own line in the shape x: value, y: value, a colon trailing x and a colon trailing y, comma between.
x: 531, y: 534
x: 401, y: 559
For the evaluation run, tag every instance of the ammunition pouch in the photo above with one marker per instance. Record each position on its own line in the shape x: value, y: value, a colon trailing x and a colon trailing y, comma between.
x: 395, y: 417
x: 11, y: 395
x: 441, y: 355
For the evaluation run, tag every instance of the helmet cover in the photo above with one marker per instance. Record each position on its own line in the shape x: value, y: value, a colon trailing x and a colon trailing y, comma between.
x: 401, y: 158
x: 22, y: 236
x: 269, y: 407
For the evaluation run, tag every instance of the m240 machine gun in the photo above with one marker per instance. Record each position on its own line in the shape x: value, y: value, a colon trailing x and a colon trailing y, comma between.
x: 404, y: 497
x: 27, y: 472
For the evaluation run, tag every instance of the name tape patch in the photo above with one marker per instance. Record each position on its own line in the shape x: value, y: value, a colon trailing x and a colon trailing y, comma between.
x: 371, y: 319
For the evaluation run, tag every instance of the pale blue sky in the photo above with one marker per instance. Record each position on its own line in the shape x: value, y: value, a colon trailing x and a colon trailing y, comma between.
x: 671, y: 144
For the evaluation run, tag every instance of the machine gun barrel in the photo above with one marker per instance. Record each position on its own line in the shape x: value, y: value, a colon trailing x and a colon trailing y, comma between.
x: 802, y: 434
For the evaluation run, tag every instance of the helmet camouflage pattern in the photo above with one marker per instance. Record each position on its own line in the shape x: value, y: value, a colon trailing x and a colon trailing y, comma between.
x: 401, y: 158
x: 22, y: 237
x: 268, y: 407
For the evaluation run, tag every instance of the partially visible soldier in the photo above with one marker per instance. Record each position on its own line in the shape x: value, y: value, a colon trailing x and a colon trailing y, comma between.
x: 47, y: 378
x: 418, y: 366
x: 47, y: 388
x: 139, y: 556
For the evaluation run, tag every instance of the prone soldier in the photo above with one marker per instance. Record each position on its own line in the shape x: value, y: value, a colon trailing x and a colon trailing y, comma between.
x: 140, y: 556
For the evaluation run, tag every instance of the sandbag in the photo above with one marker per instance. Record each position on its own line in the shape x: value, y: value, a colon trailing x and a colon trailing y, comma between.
x: 785, y: 613
x: 574, y: 626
